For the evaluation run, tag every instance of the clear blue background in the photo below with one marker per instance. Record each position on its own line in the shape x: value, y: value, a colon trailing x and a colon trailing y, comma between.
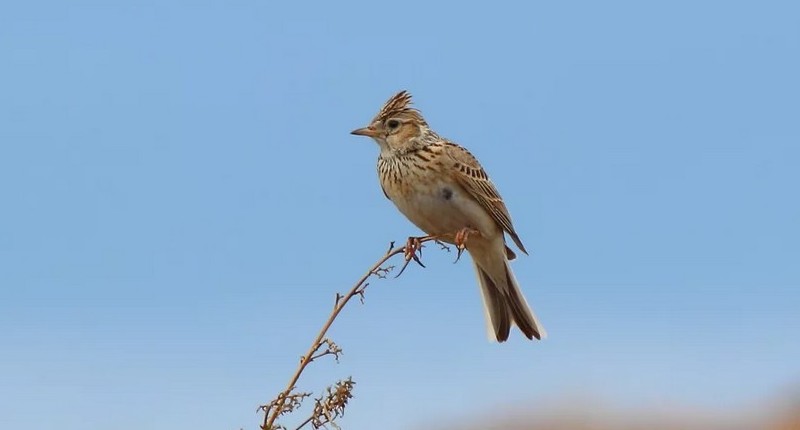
x: 181, y: 200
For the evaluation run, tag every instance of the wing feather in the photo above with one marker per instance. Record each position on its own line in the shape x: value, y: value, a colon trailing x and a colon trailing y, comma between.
x: 471, y: 176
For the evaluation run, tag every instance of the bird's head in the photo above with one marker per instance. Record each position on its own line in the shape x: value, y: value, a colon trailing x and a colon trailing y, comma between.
x: 397, y: 126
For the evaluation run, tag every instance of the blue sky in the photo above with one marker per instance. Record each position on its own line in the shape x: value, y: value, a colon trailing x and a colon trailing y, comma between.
x: 181, y: 200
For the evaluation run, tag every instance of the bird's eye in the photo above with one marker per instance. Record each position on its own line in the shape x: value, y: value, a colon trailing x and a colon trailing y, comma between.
x: 393, y: 123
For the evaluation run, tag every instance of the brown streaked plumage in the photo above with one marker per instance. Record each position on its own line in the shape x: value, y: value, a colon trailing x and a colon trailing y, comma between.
x: 442, y: 188
x: 399, y: 104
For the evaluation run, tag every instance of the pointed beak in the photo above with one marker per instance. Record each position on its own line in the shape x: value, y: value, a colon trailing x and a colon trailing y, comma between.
x: 365, y: 131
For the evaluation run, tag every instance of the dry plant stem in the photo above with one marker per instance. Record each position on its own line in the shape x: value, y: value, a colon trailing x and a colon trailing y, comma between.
x: 272, y: 414
x: 303, y: 424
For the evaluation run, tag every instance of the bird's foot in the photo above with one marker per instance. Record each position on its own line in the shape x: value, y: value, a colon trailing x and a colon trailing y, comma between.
x: 413, y: 251
x: 461, y: 240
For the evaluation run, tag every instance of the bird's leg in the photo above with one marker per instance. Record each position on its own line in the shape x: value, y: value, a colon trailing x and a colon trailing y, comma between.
x: 412, y: 248
x: 461, y: 240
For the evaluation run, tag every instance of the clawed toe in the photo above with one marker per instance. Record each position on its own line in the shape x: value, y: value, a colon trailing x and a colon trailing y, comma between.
x: 412, y: 251
x: 461, y: 240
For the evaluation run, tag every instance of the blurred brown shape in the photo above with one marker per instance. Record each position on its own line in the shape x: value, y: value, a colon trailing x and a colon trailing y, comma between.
x: 779, y: 413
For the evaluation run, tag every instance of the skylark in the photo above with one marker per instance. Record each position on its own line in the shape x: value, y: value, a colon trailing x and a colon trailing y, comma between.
x: 441, y: 188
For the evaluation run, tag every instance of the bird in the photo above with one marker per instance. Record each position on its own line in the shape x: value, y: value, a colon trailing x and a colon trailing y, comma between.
x: 442, y: 189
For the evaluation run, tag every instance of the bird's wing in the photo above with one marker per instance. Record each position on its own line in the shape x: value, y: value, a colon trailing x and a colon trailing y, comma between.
x: 467, y: 171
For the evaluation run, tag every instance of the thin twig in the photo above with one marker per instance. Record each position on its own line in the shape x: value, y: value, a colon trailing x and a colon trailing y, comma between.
x: 279, y: 406
x: 303, y: 424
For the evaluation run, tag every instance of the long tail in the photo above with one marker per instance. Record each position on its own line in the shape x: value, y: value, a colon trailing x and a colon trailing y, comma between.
x: 505, y: 305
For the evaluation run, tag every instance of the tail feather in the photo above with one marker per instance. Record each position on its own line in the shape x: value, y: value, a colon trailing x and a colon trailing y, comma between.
x: 523, y: 314
x: 505, y: 305
x: 498, y: 319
